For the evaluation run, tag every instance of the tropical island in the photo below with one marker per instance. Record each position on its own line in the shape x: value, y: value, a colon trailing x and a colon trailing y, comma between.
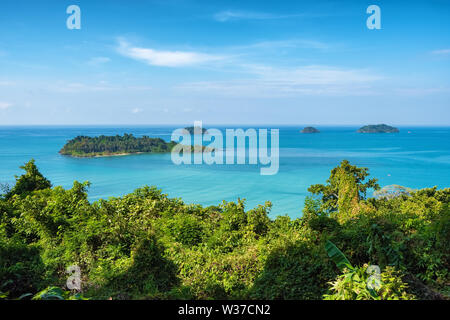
x: 106, y: 146
x: 310, y: 130
x: 192, y: 130
x: 145, y: 245
x: 83, y: 146
x: 378, y: 128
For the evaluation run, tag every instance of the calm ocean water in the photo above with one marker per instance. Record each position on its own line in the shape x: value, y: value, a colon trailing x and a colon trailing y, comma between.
x: 417, y: 157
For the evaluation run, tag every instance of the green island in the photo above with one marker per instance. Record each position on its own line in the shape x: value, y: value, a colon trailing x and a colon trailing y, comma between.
x: 378, y: 128
x: 192, y: 130
x: 310, y: 130
x: 145, y: 245
x: 105, y: 146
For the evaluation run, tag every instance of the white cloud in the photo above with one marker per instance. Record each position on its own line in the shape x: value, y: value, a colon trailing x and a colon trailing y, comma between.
x: 5, y: 105
x: 292, y: 43
x: 228, y: 15
x: 441, y: 52
x: 165, y: 58
x: 136, y: 110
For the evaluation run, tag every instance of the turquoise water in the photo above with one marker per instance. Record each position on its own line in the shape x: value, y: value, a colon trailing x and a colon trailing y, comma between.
x: 417, y: 157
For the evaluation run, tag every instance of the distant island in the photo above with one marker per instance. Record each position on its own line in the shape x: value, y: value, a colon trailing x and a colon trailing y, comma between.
x: 378, y: 128
x: 105, y: 146
x: 192, y: 129
x: 310, y: 130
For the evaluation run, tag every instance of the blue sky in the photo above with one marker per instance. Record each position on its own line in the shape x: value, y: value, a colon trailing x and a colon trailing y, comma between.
x: 225, y: 62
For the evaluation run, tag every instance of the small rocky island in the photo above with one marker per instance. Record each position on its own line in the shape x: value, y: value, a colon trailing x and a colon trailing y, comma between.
x: 105, y: 146
x: 310, y: 130
x: 378, y: 128
x: 191, y: 130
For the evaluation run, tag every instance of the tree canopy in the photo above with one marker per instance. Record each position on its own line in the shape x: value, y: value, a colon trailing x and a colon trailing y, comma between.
x: 31, y: 180
x: 347, y: 180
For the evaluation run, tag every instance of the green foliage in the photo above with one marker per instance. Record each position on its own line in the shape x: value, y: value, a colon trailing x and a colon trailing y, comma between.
x: 337, y: 256
x: 32, y: 180
x: 55, y: 293
x: 146, y: 274
x: 344, y: 176
x: 294, y: 271
x: 353, y: 285
x: 83, y: 146
x: 186, y: 229
x: 145, y: 245
x: 21, y: 267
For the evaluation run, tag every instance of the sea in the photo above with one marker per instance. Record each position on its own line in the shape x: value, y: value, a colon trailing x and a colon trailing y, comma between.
x: 417, y: 157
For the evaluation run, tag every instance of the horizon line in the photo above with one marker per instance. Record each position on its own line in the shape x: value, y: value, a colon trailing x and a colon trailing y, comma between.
x: 219, y: 124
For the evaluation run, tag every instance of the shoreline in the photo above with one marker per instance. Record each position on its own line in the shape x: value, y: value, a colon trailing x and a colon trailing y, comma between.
x: 124, y: 154
x: 104, y: 155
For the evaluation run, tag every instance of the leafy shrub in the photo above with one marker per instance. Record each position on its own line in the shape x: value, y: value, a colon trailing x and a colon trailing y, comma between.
x: 186, y: 229
x: 21, y: 268
x: 293, y: 271
x: 353, y: 284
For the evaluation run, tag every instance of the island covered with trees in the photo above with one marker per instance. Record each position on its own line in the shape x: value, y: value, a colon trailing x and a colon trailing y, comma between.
x: 84, y: 146
x: 193, y: 130
x: 145, y: 245
x: 310, y: 130
x: 105, y: 146
x: 378, y: 128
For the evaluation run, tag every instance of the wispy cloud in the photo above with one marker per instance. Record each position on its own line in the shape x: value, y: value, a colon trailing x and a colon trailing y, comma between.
x: 230, y: 15
x: 161, y: 58
x: 314, y: 74
x: 291, y: 43
x: 136, y: 110
x: 5, y: 105
x: 76, y: 87
x: 307, y: 80
x: 441, y: 52
x: 422, y: 91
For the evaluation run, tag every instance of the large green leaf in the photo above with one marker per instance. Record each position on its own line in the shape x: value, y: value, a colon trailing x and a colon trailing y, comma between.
x: 337, y: 256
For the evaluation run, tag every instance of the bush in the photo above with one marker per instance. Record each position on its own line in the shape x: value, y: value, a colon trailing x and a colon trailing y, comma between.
x: 21, y: 268
x: 356, y: 284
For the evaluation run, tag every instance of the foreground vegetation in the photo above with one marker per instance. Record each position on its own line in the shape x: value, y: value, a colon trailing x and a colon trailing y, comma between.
x: 147, y: 246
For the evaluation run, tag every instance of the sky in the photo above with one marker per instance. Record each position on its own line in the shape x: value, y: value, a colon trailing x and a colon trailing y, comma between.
x: 224, y: 62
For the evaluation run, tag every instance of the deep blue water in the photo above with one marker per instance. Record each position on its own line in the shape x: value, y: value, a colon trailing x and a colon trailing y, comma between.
x: 417, y: 157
